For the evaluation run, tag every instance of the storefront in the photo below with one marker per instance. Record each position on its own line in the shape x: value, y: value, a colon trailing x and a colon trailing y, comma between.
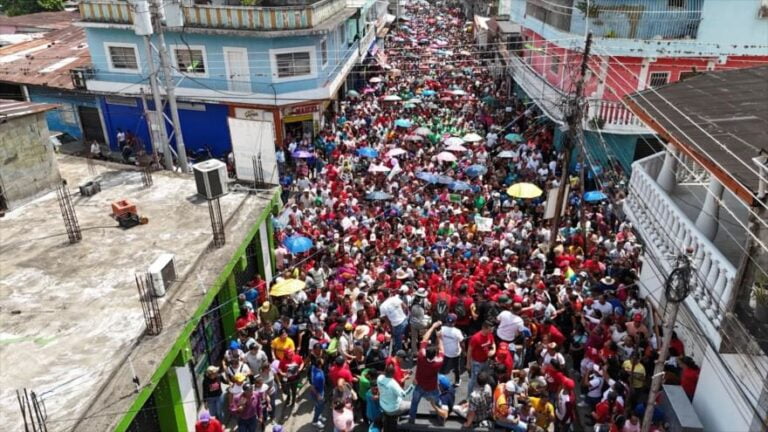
x: 302, y: 121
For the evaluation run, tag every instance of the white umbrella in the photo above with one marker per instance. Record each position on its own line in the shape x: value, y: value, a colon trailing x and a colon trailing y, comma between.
x: 465, y: 52
x: 446, y: 157
x: 423, y: 131
x: 457, y: 92
x: 506, y: 154
x: 378, y: 169
x: 392, y: 98
x: 453, y: 141
x: 375, y: 80
x: 456, y: 148
x: 414, y: 138
x: 472, y: 137
x: 414, y: 100
x: 397, y: 151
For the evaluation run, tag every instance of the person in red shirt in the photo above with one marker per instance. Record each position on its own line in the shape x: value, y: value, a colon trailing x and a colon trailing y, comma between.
x: 206, y: 423
x: 555, y: 335
x: 468, y: 306
x: 340, y: 369
x: 400, y: 376
x: 290, y: 369
x: 482, y: 345
x: 504, y: 356
x: 428, y: 365
x: 246, y: 318
x: 690, y: 376
x: 605, y: 410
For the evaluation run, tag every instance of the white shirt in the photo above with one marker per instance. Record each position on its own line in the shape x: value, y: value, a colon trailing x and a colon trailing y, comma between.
x: 510, y: 326
x: 452, y: 338
x: 392, y: 308
x: 605, y: 309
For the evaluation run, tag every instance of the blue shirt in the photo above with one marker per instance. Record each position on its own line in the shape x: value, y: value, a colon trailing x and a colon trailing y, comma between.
x: 390, y: 394
x: 372, y: 407
x: 318, y: 379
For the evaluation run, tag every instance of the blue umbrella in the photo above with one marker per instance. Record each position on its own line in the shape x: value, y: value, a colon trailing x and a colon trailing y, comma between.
x: 475, y: 170
x: 403, y: 123
x: 378, y: 196
x: 302, y: 154
x: 595, y: 195
x: 427, y: 177
x: 444, y: 179
x: 298, y: 244
x: 459, y: 186
x: 428, y: 92
x: 368, y: 152
x: 514, y: 137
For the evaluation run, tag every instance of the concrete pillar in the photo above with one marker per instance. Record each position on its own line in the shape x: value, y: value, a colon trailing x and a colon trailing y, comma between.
x: 667, y: 178
x: 709, y: 217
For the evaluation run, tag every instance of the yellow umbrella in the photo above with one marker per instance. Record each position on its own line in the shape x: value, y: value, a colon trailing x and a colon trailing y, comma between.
x: 287, y: 287
x: 524, y: 190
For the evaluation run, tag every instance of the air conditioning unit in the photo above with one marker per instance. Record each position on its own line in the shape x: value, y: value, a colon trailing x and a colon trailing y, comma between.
x: 142, y: 17
x: 162, y: 273
x: 174, y: 16
x: 211, y: 178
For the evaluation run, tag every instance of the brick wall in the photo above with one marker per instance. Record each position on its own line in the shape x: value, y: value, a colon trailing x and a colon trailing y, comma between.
x: 27, y: 162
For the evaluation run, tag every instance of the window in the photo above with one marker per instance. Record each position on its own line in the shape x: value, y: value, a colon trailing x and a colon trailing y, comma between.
x: 676, y: 3
x: 554, y: 67
x: 293, y: 64
x: 658, y: 79
x: 342, y: 35
x: 119, y: 100
x: 123, y: 57
x: 324, y: 52
x: 190, y: 60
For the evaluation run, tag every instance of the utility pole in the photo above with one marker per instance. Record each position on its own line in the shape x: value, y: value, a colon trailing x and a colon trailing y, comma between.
x: 573, y: 117
x: 676, y: 289
x: 170, y: 90
x: 158, y: 122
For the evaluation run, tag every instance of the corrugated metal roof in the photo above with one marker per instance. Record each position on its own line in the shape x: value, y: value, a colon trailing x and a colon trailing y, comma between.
x: 10, y: 108
x: 721, y: 116
x: 46, y: 61
x: 41, y: 20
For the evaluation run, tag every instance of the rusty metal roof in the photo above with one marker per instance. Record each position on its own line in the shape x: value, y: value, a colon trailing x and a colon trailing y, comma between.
x: 41, y: 21
x: 11, y: 108
x: 46, y: 61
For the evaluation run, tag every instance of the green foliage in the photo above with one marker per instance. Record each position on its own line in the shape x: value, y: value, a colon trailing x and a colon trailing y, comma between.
x: 249, y: 2
x: 760, y: 290
x: 23, y: 7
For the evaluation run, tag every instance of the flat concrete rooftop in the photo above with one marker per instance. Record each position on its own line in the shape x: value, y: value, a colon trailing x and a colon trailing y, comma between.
x: 71, y: 315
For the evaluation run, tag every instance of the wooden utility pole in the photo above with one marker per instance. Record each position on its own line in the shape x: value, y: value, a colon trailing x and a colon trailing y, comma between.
x: 573, y: 118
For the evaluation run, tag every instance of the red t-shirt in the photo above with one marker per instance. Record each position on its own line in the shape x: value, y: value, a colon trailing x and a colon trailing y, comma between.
x: 426, y: 371
x: 480, y: 345
x: 399, y: 375
x: 212, y: 426
x: 604, y: 412
x: 688, y: 380
x: 336, y: 372
x: 467, y: 300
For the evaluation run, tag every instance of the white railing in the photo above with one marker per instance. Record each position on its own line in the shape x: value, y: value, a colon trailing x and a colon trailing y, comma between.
x: 612, y: 117
x: 667, y: 231
x: 546, y: 96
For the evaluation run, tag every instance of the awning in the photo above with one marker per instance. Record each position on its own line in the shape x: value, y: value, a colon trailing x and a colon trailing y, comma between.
x: 389, y: 18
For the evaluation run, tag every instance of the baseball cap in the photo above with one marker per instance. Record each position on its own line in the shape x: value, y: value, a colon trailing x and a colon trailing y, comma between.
x: 451, y: 318
x: 204, y: 417
x: 637, y: 317
x: 400, y: 353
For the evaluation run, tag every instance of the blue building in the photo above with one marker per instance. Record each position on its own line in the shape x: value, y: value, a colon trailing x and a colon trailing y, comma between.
x: 276, y: 63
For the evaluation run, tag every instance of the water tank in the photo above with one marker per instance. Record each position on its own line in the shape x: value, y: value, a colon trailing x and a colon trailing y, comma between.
x: 142, y: 18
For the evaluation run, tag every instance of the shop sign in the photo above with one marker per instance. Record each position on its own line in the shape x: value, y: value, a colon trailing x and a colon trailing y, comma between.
x: 301, y: 109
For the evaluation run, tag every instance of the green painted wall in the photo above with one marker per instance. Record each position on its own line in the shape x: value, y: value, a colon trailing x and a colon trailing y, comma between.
x: 164, y: 379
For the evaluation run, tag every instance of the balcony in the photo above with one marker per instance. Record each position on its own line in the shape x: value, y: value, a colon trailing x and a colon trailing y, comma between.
x: 607, y: 116
x: 616, y: 19
x: 666, y: 223
x: 220, y: 15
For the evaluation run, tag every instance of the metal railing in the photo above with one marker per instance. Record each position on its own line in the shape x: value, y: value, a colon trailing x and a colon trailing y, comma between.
x: 667, y: 231
x: 222, y: 16
x: 612, y: 117
x: 635, y: 19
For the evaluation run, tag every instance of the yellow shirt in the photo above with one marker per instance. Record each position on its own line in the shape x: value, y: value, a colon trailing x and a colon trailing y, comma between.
x: 545, y: 411
x: 638, y: 377
x: 281, y: 347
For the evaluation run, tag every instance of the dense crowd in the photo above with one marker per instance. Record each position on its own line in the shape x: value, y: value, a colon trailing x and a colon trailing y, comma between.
x: 426, y: 278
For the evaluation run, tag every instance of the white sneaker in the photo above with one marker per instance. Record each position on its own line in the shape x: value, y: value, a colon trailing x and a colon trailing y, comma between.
x: 318, y: 424
x: 323, y: 418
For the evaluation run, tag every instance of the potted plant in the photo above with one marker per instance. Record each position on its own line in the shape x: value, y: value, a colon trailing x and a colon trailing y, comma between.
x: 593, y: 11
x: 760, y: 294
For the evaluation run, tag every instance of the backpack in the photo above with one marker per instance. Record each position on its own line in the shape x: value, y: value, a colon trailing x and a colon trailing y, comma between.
x: 441, y: 309
x: 460, y: 309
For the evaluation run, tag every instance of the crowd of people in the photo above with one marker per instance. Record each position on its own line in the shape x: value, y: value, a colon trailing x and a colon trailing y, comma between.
x: 429, y: 291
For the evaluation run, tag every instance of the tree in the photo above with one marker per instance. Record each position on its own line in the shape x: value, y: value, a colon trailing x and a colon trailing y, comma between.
x: 23, y: 7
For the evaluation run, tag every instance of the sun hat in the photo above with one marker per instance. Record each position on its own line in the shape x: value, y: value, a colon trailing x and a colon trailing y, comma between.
x: 264, y: 307
x: 421, y: 292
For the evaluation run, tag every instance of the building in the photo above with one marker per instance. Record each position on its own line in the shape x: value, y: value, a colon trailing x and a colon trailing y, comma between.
x: 706, y: 193
x: 282, y: 63
x: 40, y: 22
x: 39, y: 70
x: 27, y: 162
x: 75, y: 309
x: 636, y: 45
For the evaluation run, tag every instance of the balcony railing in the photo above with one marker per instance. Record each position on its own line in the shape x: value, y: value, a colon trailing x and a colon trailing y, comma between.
x: 612, y: 117
x: 635, y: 19
x: 667, y: 232
x: 224, y: 17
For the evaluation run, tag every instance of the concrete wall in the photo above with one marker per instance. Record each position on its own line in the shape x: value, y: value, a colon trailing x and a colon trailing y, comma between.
x: 27, y: 162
